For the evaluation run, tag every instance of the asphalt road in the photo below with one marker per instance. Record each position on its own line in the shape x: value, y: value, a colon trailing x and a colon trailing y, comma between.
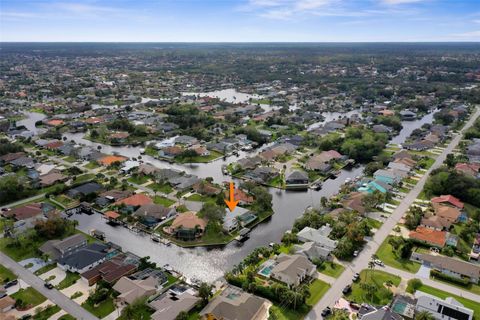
x: 53, y: 295
x: 361, y: 262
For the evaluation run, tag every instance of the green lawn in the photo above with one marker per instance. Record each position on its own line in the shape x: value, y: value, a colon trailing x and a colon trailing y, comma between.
x: 70, y: 159
x: 47, y: 313
x: 163, y: 201
x: 66, y: 317
x: 92, y: 165
x: 19, y: 253
x: 69, y: 280
x: 141, y: 312
x: 84, y: 178
x: 317, y: 289
x: 6, y: 275
x: 474, y: 288
x: 381, y: 295
x: 475, y: 306
x: 64, y: 200
x: 387, y: 255
x: 102, y: 310
x: 29, y: 296
x: 374, y: 224
x: 200, y: 159
x: 201, y: 198
x: 331, y: 269
x: 282, y: 313
x: 45, y: 269
x: 165, y: 188
x: 139, y: 179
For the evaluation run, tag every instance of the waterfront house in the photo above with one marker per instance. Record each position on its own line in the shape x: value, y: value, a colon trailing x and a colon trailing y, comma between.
x: 109, y: 271
x: 313, y: 251
x: 234, y: 303
x: 130, y: 290
x: 84, y: 258
x: 57, y: 249
x: 150, y: 214
x: 297, y: 180
x: 292, y: 269
x: 187, y: 226
x: 318, y: 236
x: 84, y: 189
x: 176, y: 299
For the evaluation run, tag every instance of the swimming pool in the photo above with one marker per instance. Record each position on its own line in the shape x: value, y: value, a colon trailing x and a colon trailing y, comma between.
x: 266, y: 271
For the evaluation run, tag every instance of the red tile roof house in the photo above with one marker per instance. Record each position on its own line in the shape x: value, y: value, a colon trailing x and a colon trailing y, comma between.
x: 109, y: 271
x: 53, y: 145
x: 470, y: 169
x: 431, y: 237
x: 448, y: 199
x: 25, y: 212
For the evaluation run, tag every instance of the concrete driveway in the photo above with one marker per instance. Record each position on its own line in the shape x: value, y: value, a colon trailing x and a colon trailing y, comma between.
x: 57, y: 272
x: 35, y: 262
x: 21, y: 285
x: 79, y: 286
x: 423, y: 272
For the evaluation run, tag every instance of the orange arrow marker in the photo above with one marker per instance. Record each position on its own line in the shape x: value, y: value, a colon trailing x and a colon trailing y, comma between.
x: 232, y: 204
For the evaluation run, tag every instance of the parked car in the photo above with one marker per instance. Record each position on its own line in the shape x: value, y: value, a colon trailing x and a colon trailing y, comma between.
x: 48, y: 285
x: 347, y: 289
x: 379, y: 262
x: 11, y: 284
x: 355, y: 253
x: 326, y: 311
x: 26, y: 317
x: 356, y: 276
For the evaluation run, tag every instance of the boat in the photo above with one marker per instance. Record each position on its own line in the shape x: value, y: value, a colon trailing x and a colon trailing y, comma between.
x: 316, y: 186
x: 243, y: 235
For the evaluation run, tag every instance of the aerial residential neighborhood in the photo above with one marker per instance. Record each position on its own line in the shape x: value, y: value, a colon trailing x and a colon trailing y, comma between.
x: 223, y: 180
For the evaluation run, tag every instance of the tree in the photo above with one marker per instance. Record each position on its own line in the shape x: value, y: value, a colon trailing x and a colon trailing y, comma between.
x: 371, y: 267
x: 205, y: 292
x: 424, y: 315
x: 183, y: 315
x: 212, y: 212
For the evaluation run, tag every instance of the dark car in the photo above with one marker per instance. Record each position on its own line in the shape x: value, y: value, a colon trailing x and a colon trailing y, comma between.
x: 326, y: 311
x: 11, y: 284
x: 356, y: 276
x: 347, y: 289
x: 48, y: 285
x: 26, y: 317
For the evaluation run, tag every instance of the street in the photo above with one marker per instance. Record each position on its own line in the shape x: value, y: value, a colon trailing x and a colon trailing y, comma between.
x: 53, y: 295
x: 361, y: 262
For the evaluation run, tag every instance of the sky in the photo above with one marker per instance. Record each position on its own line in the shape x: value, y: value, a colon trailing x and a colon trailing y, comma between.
x: 239, y: 20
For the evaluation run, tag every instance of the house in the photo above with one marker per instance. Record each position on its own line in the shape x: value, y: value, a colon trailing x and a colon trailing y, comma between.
x: 7, y: 303
x: 109, y: 271
x: 292, y: 269
x: 9, y: 157
x: 421, y: 145
x: 313, y: 251
x: 176, y: 299
x: 84, y: 189
x: 402, y: 154
x: 230, y: 220
x: 450, y: 214
x: 475, y: 253
x: 354, y: 201
x: 449, y: 199
x: 206, y: 188
x: 262, y: 174
x: 297, y: 180
x: 447, y: 309
x: 186, y: 140
x: 51, y: 178
x: 384, y: 313
x: 408, y: 115
x: 318, y: 236
x: 187, y: 226
x: 431, y: 237
x: 388, y: 176
x: 130, y: 290
x: 111, y: 159
x: 111, y: 196
x: 135, y: 200
x: 57, y: 249
x: 84, y: 258
x: 25, y: 162
x: 24, y: 212
x: 128, y: 166
x: 242, y: 197
x: 183, y: 182
x: 376, y: 185
x: 235, y: 304
x: 152, y: 213
x: 470, y: 169
x: 449, y: 266
x: 473, y: 151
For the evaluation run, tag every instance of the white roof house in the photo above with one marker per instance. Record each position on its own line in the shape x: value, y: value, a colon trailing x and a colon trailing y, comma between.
x: 230, y: 221
x: 448, y: 309
x: 319, y: 236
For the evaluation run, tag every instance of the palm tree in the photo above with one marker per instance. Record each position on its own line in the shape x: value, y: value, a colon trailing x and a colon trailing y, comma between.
x: 205, y: 291
x: 371, y: 266
x: 424, y: 315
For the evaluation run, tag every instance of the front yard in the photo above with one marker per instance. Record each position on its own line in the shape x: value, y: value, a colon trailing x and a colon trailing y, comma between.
x: 6, y: 275
x: 101, y: 310
x: 331, y: 269
x: 372, y: 287
x: 386, y: 253
x: 29, y: 297
x: 69, y: 280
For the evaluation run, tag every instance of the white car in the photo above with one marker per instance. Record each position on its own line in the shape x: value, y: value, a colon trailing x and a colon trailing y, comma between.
x: 355, y: 253
x: 379, y: 262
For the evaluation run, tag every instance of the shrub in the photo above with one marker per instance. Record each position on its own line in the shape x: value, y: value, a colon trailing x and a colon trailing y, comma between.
x: 414, y: 285
x: 439, y: 275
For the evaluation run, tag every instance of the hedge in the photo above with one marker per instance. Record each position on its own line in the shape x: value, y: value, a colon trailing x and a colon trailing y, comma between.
x: 460, y: 281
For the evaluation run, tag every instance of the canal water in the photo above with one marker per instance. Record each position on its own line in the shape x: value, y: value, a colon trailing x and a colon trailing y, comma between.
x: 210, y: 264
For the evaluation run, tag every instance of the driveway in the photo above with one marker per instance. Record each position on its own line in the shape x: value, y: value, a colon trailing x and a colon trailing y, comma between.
x: 21, y: 285
x: 35, y: 262
x: 423, y: 272
x: 58, y: 273
x: 18, y: 314
x: 79, y: 286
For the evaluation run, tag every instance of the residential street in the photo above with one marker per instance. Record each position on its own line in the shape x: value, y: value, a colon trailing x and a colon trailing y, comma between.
x: 53, y: 295
x: 361, y: 262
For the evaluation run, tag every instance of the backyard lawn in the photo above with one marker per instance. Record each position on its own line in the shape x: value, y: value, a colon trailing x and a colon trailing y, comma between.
x: 29, y: 296
x: 475, y: 306
x: 388, y: 256
x: 6, y: 275
x: 380, y: 294
x: 331, y: 269
x: 163, y: 201
x: 138, y: 179
x: 101, y: 310
x: 18, y: 253
x: 84, y: 178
